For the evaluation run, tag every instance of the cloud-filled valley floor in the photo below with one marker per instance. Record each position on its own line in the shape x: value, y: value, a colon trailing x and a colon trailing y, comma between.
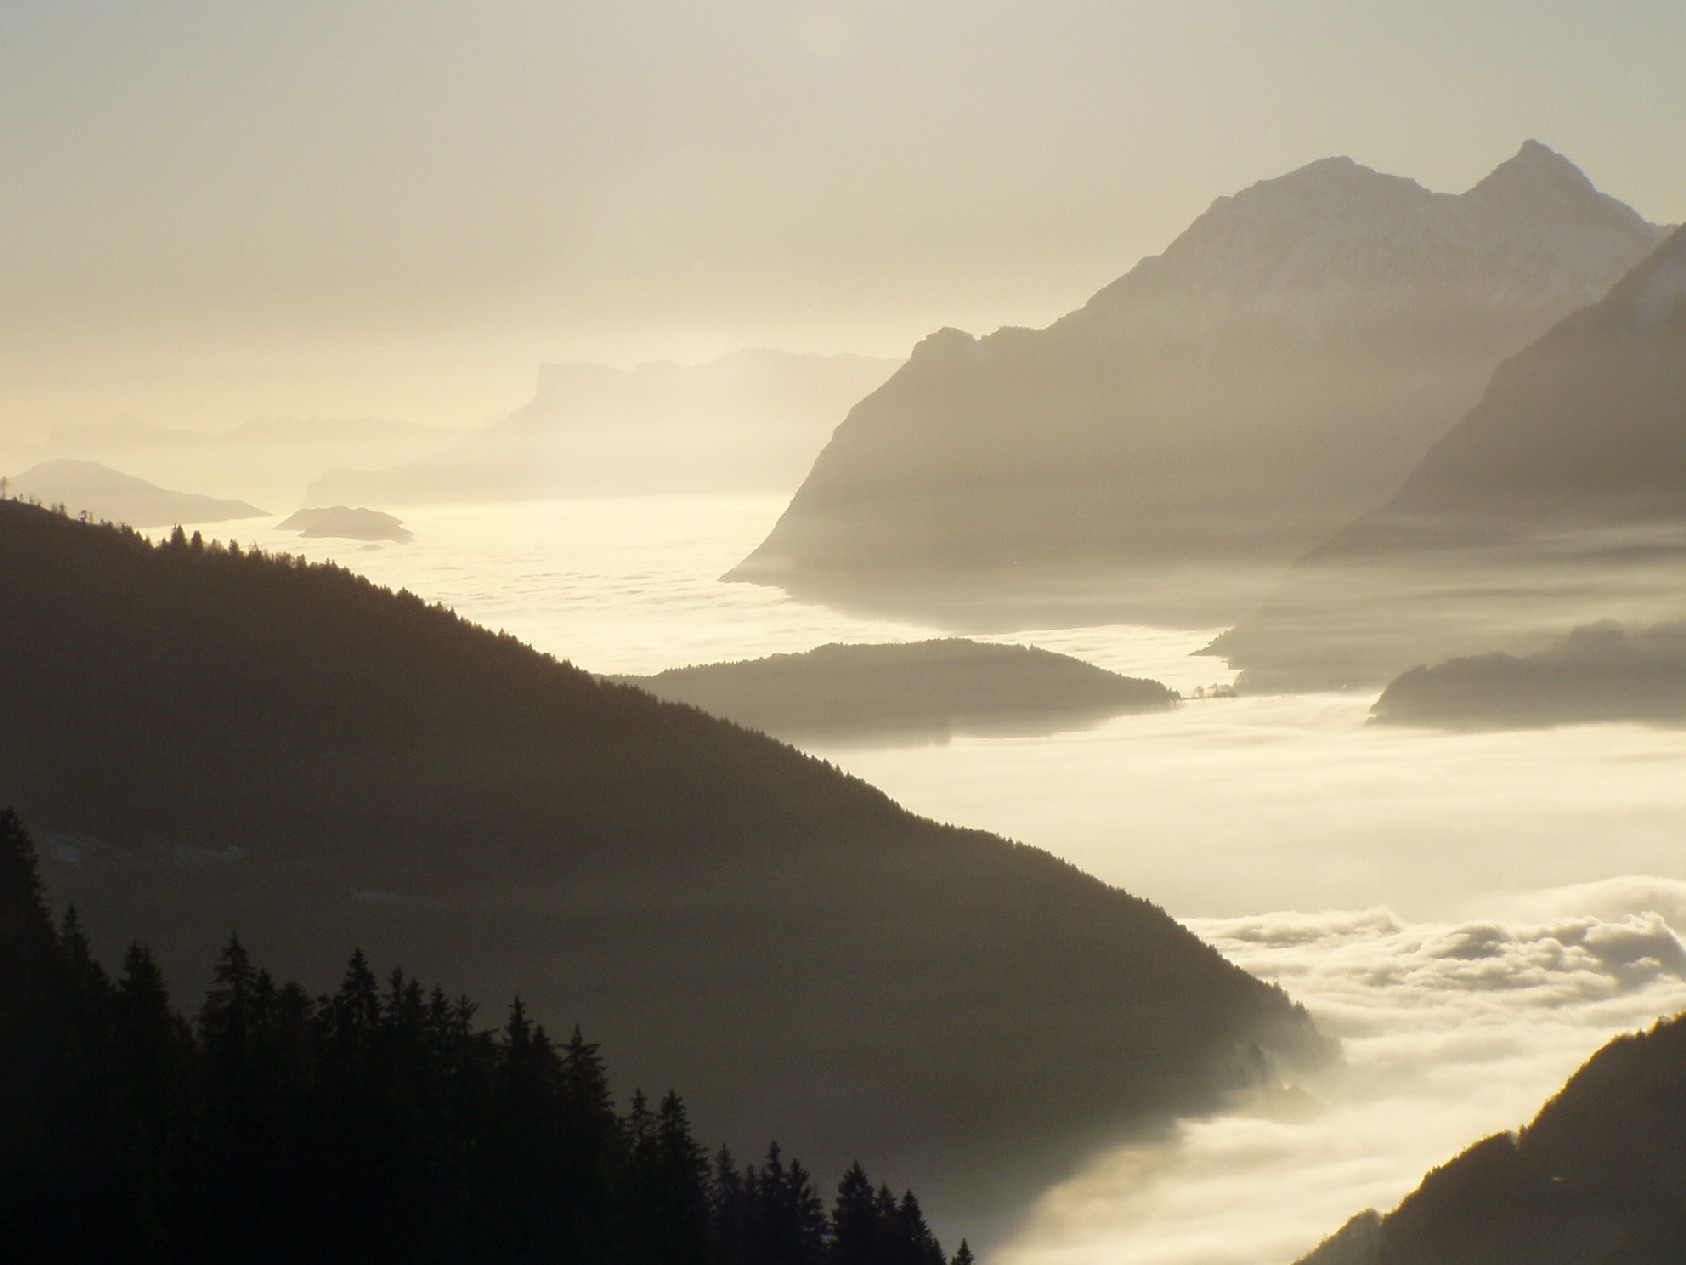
x: 1451, y: 1031
x: 1461, y: 929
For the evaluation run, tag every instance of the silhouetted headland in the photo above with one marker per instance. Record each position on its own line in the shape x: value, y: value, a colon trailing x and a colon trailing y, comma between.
x: 266, y: 459
x: 919, y: 691
x: 344, y: 522
x: 1597, y: 673
x: 86, y: 487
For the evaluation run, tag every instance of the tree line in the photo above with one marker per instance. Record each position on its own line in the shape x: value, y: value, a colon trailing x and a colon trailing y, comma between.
x: 381, y: 1121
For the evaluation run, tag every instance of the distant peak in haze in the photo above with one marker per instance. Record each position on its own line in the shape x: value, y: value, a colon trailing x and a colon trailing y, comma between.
x: 1540, y: 184
x: 1335, y: 242
x: 1329, y: 177
x: 1329, y: 190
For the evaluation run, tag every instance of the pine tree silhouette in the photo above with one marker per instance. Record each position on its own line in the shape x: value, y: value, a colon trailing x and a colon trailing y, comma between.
x: 364, y: 1125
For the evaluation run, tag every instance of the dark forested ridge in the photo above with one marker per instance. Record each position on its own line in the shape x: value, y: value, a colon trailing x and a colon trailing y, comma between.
x: 925, y: 689
x: 1599, y: 1177
x: 380, y: 1121
x: 205, y: 739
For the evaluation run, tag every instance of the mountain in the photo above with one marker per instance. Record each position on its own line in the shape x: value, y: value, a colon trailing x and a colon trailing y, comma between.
x: 268, y: 459
x: 748, y: 421
x: 1600, y: 672
x: 921, y: 691
x: 1559, y: 500
x: 88, y: 487
x: 1598, y: 1178
x: 203, y: 739
x: 1164, y: 451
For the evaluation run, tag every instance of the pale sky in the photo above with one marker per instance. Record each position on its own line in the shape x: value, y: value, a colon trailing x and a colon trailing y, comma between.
x: 216, y: 210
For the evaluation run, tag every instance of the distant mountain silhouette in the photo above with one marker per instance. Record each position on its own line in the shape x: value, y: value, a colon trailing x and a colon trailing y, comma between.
x: 1597, y: 673
x: 343, y: 522
x: 269, y: 459
x: 1560, y: 499
x: 1599, y: 1178
x: 203, y: 739
x: 748, y: 421
x: 1162, y: 452
x: 101, y: 492
x: 923, y: 691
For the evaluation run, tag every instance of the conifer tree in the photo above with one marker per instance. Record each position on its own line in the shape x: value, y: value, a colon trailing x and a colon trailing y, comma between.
x: 355, y: 1012
x: 89, y: 975
x: 26, y: 926
x: 914, y: 1244
x: 665, y: 1214
x: 856, y: 1234
x: 790, y: 1222
x: 225, y: 1020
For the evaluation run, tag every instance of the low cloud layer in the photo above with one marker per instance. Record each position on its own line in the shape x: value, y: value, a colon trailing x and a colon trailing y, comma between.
x: 1451, y: 1031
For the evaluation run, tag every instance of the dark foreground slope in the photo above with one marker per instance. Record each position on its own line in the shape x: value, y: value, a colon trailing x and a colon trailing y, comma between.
x: 920, y: 690
x: 209, y: 740
x: 1599, y: 1178
x: 378, y: 1122
x: 1560, y: 500
x: 1600, y: 672
x: 1163, y: 452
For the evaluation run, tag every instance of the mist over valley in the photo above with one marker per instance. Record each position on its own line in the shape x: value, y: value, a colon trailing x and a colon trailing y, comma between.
x: 843, y: 634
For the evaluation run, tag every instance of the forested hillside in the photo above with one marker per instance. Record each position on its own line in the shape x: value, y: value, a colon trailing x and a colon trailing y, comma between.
x: 376, y: 1122
x: 1599, y: 1177
x: 205, y: 739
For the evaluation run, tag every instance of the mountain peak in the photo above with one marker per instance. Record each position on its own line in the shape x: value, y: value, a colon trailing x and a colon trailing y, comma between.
x: 1534, y: 151
x: 1540, y: 185
x: 1332, y: 184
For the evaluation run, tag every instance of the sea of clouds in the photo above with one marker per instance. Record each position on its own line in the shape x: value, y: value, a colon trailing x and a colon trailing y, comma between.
x: 1488, y: 908
x: 1450, y: 1031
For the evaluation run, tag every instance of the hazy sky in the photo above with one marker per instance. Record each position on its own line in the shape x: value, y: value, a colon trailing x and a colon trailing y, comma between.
x: 215, y: 210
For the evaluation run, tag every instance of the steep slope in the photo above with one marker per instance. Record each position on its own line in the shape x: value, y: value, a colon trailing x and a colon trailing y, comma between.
x: 922, y: 691
x: 1208, y: 416
x: 748, y: 421
x: 88, y: 487
x: 206, y: 740
x: 1559, y: 500
x: 1599, y: 1178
